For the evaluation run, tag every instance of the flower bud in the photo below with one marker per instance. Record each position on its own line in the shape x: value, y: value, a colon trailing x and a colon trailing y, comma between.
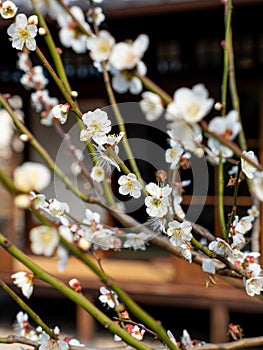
x: 33, y: 20
x: 75, y: 284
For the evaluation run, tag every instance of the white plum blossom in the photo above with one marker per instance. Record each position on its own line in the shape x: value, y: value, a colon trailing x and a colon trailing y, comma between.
x: 59, y: 210
x: 110, y: 298
x: 247, y: 168
x: 60, y: 112
x: 220, y: 247
x: 228, y: 128
x: 151, y: 105
x: 157, y: 202
x: 136, y: 241
x: 137, y: 332
x: 244, y: 224
x: 253, y: 211
x: 123, y: 82
x: 97, y: 125
x: 258, y: 185
x: 69, y: 34
x: 209, y: 266
x: 31, y: 176
x: 24, y: 280
x: 173, y: 155
x: 100, y: 46
x: 44, y: 240
x: 104, y: 159
x: 105, y: 239
x: 38, y: 200
x: 254, y: 285
x: 129, y: 185
x: 22, y: 34
x: 179, y: 232
x: 8, y: 9
x: 97, y: 173
x: 191, y: 105
x: 125, y: 55
x: 97, y: 14
x: 185, y: 250
x: 34, y: 79
x: 109, y: 140
x: 24, y: 63
x: 47, y: 343
x: 190, y: 136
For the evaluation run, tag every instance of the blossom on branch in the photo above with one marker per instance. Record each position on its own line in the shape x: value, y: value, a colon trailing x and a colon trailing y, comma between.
x: 191, y: 105
x: 130, y: 185
x: 24, y: 280
x: 22, y: 34
x: 8, y: 9
x: 158, y: 200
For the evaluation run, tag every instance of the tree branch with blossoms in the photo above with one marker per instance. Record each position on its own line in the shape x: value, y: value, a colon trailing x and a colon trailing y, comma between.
x: 62, y: 233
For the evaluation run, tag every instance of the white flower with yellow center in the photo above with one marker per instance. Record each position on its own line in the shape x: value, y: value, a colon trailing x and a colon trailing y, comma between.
x: 220, y: 247
x: 97, y: 173
x: 129, y: 185
x: 44, y: 240
x: 127, y: 55
x: 60, y: 112
x: 158, y: 201
x: 179, y: 232
x: 151, y: 105
x: 24, y: 280
x: 136, y: 240
x: 70, y: 35
x: 247, y: 168
x: 31, y: 176
x: 191, y: 105
x: 8, y: 9
x: 253, y: 211
x: 226, y: 127
x: 97, y: 124
x: 22, y: 33
x: 100, y: 46
x: 173, y: 155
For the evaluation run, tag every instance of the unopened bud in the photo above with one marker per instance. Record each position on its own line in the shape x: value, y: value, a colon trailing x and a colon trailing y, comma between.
x: 84, y: 244
x: 23, y: 201
x: 24, y: 138
x: 75, y: 284
x: 161, y: 176
x: 74, y: 93
x: 218, y: 106
x: 42, y: 31
x: 33, y: 20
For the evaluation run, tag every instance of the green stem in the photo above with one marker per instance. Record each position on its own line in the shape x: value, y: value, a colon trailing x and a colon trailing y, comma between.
x: 150, y: 85
x: 44, y: 154
x: 52, y: 48
x: 121, y: 124
x: 231, y: 145
x: 221, y: 210
x: 134, y: 308
x: 27, y: 309
x: 60, y: 84
x: 234, y: 94
x: 78, y: 298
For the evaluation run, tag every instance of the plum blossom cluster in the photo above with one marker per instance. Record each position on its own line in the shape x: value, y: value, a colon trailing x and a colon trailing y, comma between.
x: 37, y: 334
